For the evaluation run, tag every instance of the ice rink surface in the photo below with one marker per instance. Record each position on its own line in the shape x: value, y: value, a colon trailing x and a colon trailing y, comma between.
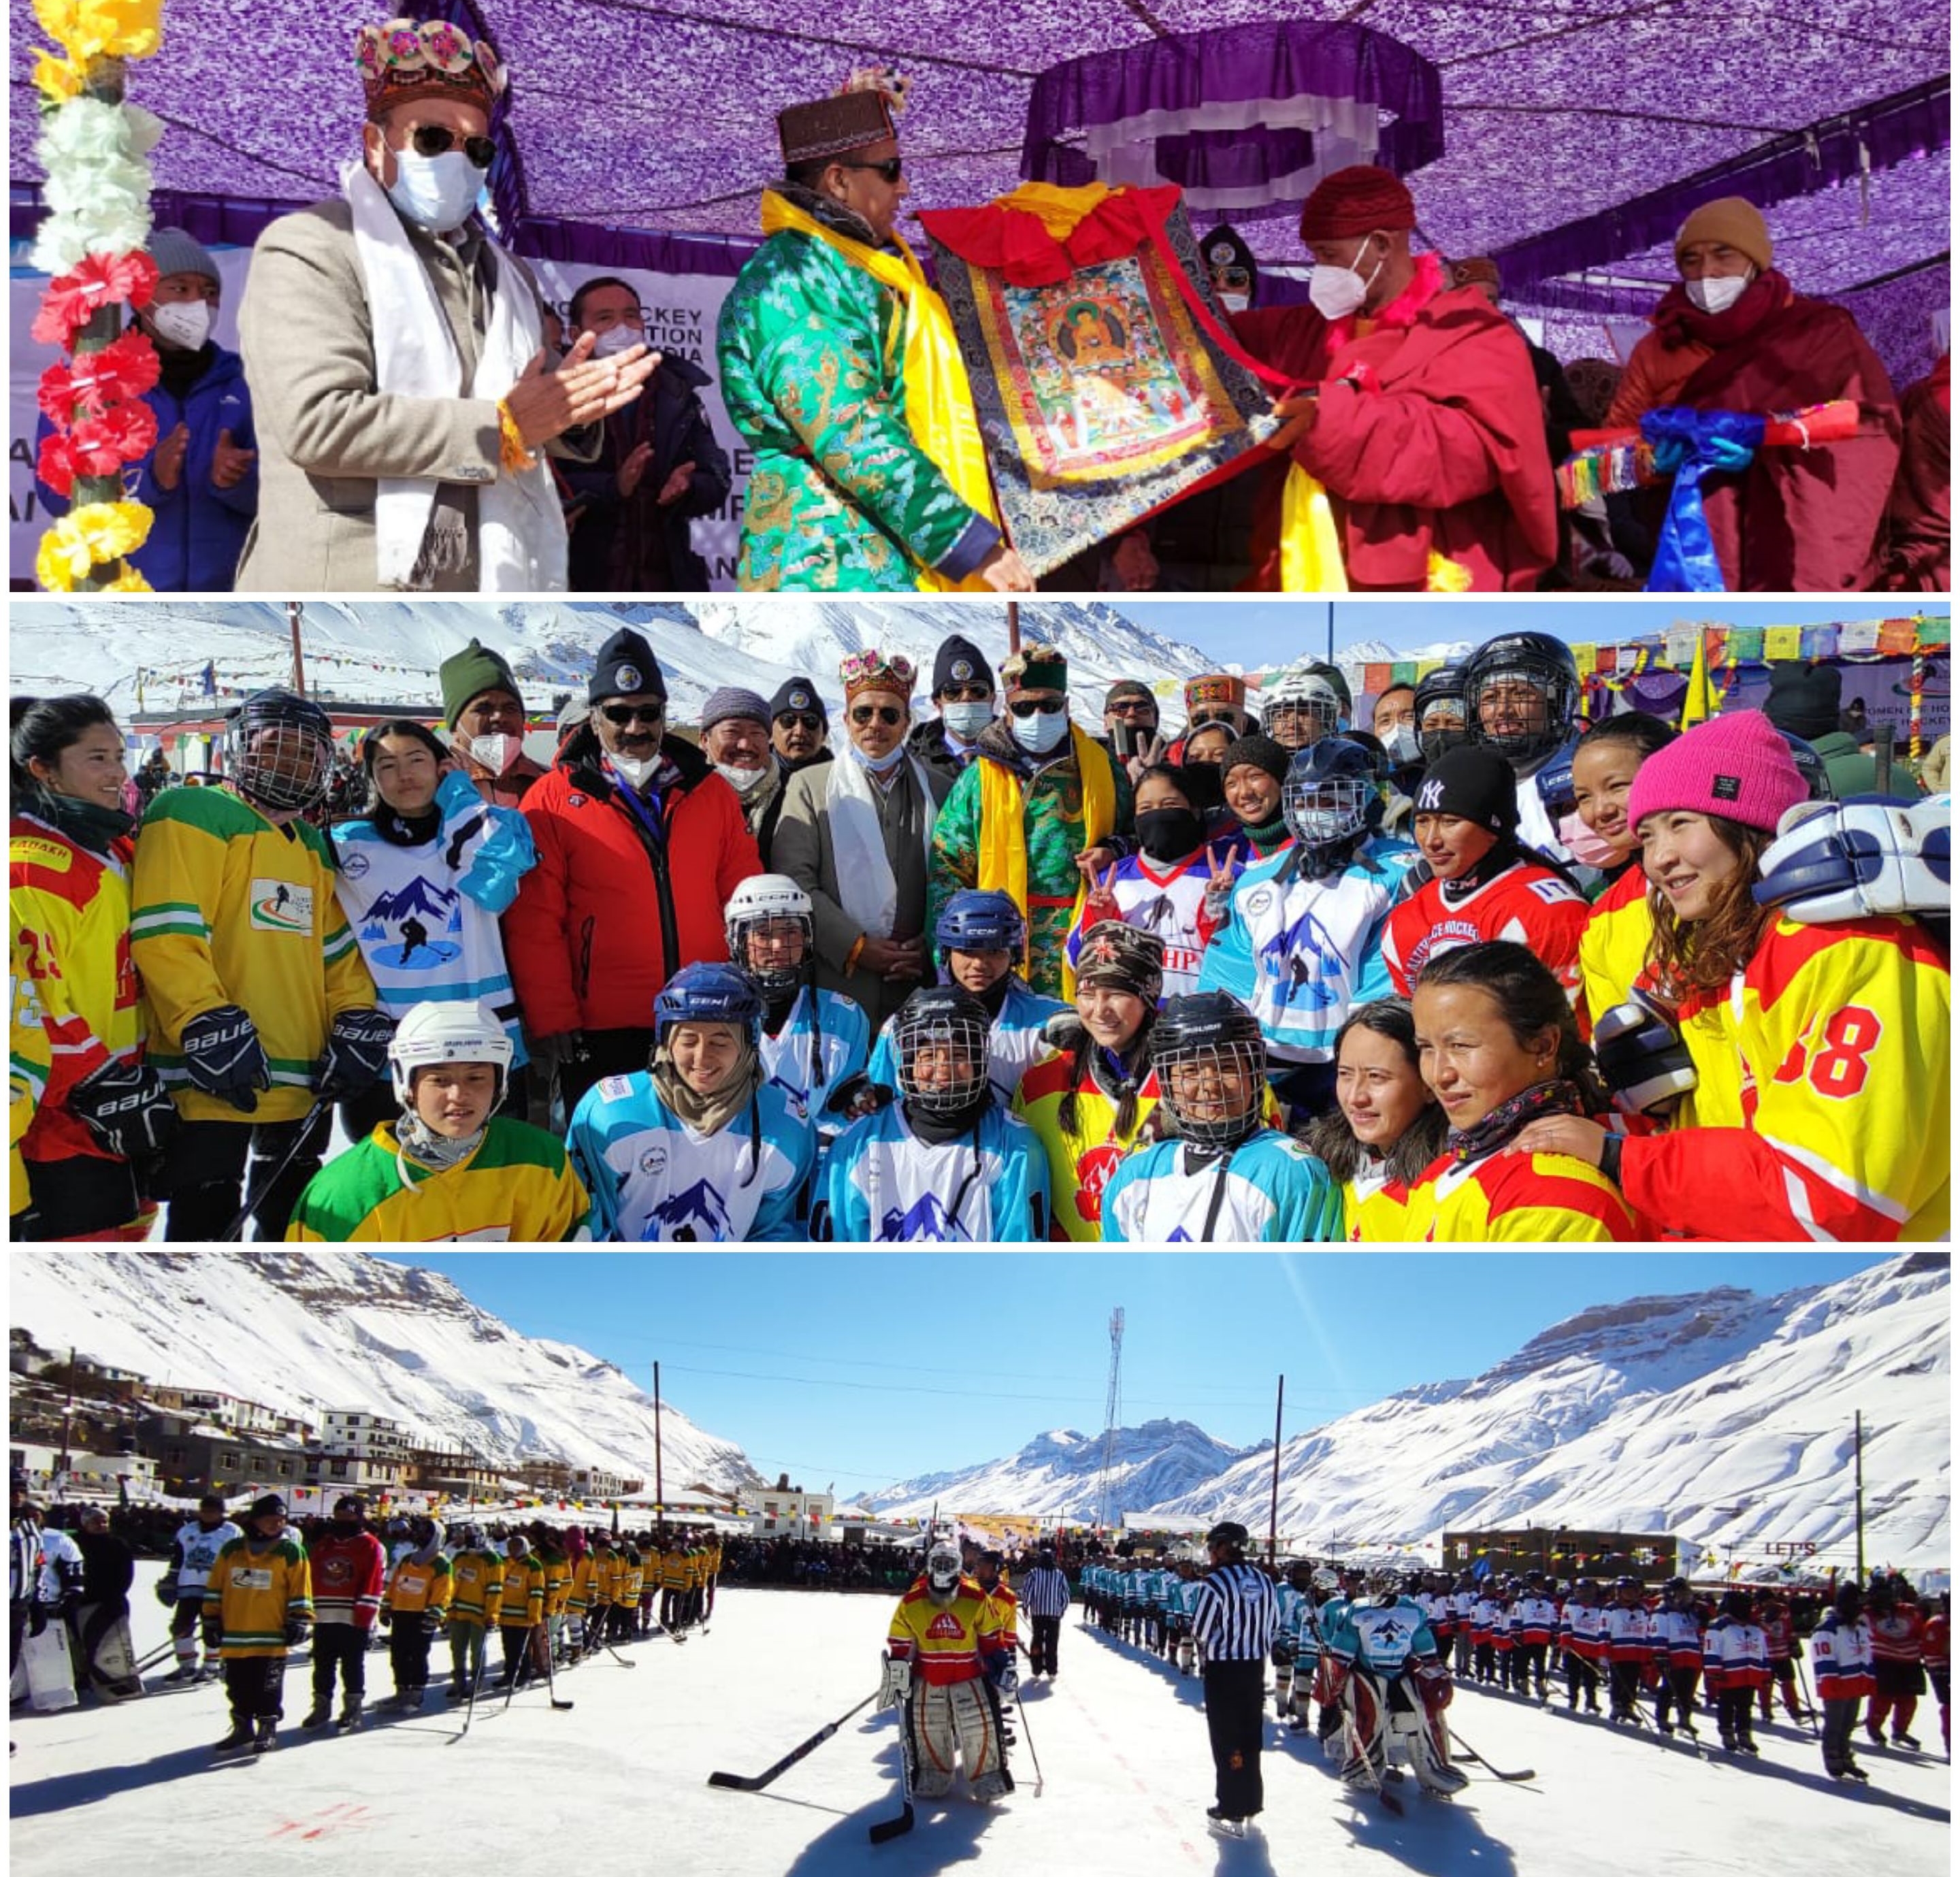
x: 619, y: 1783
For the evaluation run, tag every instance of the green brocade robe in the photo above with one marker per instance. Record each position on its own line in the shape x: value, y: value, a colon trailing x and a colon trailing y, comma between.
x: 840, y: 499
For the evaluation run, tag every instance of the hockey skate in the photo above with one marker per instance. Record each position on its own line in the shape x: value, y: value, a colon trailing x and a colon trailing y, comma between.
x: 317, y: 1716
x: 1221, y: 1825
x: 268, y: 1735
x: 237, y: 1740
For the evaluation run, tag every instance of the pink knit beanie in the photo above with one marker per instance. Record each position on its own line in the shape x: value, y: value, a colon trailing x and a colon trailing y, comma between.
x: 1736, y: 765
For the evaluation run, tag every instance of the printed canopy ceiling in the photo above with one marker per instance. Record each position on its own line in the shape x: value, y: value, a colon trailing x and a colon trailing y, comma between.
x: 659, y: 118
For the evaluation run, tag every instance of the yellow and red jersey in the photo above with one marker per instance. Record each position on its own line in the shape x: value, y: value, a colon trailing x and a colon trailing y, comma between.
x: 229, y: 909
x: 949, y: 1642
x: 1080, y: 1159
x: 254, y: 1593
x: 1503, y: 1198
x: 28, y: 1058
x: 1007, y: 1610
x: 69, y: 911
x: 1613, y: 947
x: 1842, y: 1037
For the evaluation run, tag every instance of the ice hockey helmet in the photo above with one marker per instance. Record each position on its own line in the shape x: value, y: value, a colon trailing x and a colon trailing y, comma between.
x: 1536, y: 659
x: 942, y: 1016
x: 942, y: 1566
x: 456, y: 1031
x: 976, y: 920
x: 769, y: 900
x: 1809, y: 766
x: 1439, y: 712
x: 705, y: 993
x: 278, y: 750
x: 1331, y: 799
x: 1229, y: 1533
x: 1208, y: 1027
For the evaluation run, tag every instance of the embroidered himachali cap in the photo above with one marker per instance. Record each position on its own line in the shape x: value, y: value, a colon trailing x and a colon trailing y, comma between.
x: 403, y: 61
x: 871, y: 670
x: 1035, y: 668
x: 1215, y: 687
x: 860, y: 114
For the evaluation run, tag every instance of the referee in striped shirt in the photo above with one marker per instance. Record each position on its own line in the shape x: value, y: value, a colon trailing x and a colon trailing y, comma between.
x: 1237, y: 1613
x: 1045, y: 1597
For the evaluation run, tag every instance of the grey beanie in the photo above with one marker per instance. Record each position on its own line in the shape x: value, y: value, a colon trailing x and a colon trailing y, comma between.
x: 175, y: 252
x: 731, y: 700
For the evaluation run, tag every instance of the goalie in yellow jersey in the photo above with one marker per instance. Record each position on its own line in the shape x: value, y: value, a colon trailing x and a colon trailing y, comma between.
x: 948, y: 1666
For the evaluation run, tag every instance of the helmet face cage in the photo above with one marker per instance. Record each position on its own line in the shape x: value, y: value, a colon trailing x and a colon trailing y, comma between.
x: 1325, y: 814
x: 931, y: 1046
x: 1210, y: 1113
x: 941, y: 1567
x: 1309, y: 711
x: 745, y: 926
x: 1557, y: 693
x: 280, y: 753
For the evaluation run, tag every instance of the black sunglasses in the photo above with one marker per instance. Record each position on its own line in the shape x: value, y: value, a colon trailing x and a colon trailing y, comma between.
x: 1036, y: 707
x: 791, y: 720
x: 435, y: 140
x: 891, y: 169
x: 967, y: 694
x: 885, y: 713
x: 620, y: 715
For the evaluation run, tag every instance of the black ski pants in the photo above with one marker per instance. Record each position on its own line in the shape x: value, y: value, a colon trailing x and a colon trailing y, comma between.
x: 1042, y: 1646
x: 339, y: 1648
x: 207, y: 1166
x: 1677, y: 1686
x: 252, y: 1685
x: 408, y: 1642
x: 1235, y: 1695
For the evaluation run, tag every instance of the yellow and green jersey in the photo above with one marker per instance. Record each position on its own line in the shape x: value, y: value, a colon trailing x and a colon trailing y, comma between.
x: 518, y: 1185
x: 229, y: 909
x: 523, y: 1605
x: 415, y: 1587
x: 254, y: 1593
x: 476, y: 1587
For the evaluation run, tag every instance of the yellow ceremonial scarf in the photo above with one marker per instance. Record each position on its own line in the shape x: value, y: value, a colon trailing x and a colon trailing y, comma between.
x: 1309, y: 541
x: 939, y: 401
x: 1004, y: 840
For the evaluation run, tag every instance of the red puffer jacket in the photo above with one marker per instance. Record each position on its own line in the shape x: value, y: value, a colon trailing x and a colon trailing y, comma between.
x: 608, y: 914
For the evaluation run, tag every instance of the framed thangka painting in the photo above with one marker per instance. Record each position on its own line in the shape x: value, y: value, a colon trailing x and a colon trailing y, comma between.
x: 1104, y: 374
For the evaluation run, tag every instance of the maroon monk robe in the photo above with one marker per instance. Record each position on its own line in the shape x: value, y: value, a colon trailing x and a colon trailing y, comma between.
x: 1919, y: 519
x: 1795, y: 521
x: 1443, y: 448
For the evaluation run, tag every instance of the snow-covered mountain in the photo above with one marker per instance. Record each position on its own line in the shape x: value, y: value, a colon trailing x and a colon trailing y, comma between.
x: 1722, y: 1417
x: 303, y: 1333
x: 1057, y: 1474
x: 381, y: 650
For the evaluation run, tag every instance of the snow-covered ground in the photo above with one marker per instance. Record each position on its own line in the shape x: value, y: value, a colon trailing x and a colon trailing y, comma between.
x: 619, y: 1783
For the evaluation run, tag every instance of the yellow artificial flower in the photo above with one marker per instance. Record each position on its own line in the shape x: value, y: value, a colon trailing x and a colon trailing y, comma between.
x: 129, y: 581
x: 57, y: 80
x: 97, y: 532
x: 96, y: 29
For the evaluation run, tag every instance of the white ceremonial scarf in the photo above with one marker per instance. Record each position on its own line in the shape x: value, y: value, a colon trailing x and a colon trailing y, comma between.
x: 866, y: 887
x: 520, y: 544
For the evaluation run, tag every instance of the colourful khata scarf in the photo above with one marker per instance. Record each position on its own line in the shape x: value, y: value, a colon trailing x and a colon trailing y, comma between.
x: 1507, y: 1119
x: 939, y: 401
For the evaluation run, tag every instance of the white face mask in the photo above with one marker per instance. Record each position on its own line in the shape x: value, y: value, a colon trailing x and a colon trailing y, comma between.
x: 1402, y: 744
x: 744, y: 782
x: 1041, y: 733
x: 495, y: 753
x: 1717, y: 294
x: 879, y: 765
x: 616, y: 339
x: 184, y: 323
x: 435, y: 193
x: 1338, y: 292
x: 967, y: 720
x: 636, y: 770
x: 1236, y: 302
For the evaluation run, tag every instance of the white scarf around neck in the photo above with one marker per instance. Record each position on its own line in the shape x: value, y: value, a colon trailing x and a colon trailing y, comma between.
x: 521, y: 532
x: 866, y: 887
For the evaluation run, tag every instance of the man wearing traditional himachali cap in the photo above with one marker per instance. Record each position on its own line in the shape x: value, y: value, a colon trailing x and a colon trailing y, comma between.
x: 1427, y: 431
x: 1039, y: 794
x: 395, y: 358
x: 839, y: 366
x: 856, y: 835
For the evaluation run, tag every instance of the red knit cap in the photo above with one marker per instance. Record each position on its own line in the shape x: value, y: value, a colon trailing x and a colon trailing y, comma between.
x: 1360, y: 199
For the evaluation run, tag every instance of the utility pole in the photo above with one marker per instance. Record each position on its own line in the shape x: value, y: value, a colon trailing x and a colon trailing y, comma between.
x: 293, y: 611
x: 1330, y: 632
x: 1112, y: 1407
x: 1013, y: 627
x: 1272, y: 1521
x: 1858, y: 1485
x: 660, y: 1492
x: 68, y: 1415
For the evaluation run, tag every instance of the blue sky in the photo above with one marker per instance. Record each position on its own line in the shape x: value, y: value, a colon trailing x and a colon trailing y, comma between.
x: 1256, y: 633
x: 864, y: 1368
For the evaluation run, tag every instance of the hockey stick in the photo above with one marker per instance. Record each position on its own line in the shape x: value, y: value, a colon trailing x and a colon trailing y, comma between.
x: 155, y: 1655
x: 235, y: 1229
x: 1470, y: 1753
x: 887, y: 1829
x: 551, y: 1683
x: 469, y: 1712
x: 744, y: 1782
x: 1034, y: 1758
x: 1350, y: 1741
x: 1809, y: 1700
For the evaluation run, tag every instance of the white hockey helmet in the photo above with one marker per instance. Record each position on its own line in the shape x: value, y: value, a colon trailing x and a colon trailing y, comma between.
x: 455, y: 1032
x: 1308, y: 700
x: 762, y: 901
x: 942, y: 1567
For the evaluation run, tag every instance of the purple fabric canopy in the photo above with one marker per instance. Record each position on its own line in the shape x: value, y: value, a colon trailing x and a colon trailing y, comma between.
x: 630, y: 115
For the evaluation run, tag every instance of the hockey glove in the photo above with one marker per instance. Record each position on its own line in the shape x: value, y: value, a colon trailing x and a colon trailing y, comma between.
x: 857, y: 1096
x: 297, y: 1628
x: 37, y: 1618
x: 357, y: 1054
x: 1642, y: 1058
x: 1282, y: 1654
x: 432, y: 1621
x: 166, y: 1592
x: 223, y: 1056
x: 387, y: 1617
x: 213, y: 1634
x: 124, y: 1107
x: 897, y: 1684
x: 1433, y: 1684
x: 1007, y: 1678
x: 1859, y: 860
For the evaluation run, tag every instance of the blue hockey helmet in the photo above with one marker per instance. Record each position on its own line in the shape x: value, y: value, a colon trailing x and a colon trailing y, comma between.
x: 709, y: 993
x: 1332, y: 797
x: 1809, y: 766
x: 974, y: 920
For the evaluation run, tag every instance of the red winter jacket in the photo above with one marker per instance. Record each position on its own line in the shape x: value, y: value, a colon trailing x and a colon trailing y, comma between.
x: 349, y: 1572
x: 600, y: 923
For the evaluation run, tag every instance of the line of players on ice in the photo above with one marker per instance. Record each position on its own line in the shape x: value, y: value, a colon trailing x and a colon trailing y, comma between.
x: 1678, y: 1646
x: 1302, y: 1027
x: 252, y: 1593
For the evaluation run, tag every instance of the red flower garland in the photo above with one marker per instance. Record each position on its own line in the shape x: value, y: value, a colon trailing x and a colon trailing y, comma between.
x: 73, y: 299
x: 97, y: 446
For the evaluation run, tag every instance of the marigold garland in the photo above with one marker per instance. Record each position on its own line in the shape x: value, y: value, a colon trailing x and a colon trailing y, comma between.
x: 96, y: 532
